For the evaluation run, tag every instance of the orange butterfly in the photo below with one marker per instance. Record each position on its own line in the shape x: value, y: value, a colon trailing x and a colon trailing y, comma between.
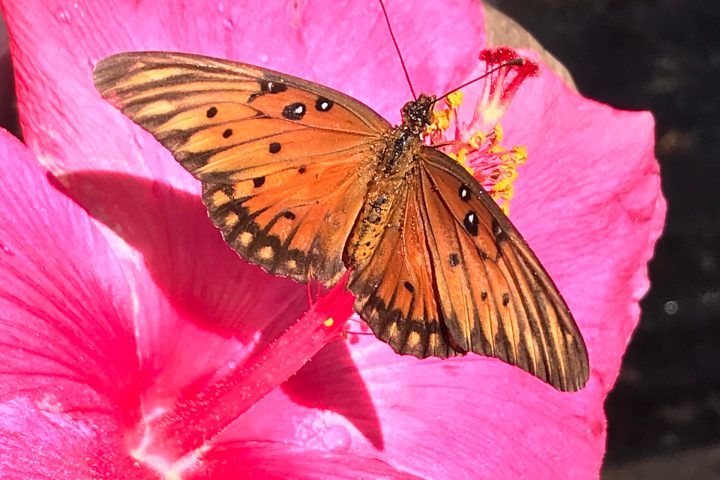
x: 308, y: 182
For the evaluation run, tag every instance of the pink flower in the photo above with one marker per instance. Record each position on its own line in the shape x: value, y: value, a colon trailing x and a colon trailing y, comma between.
x: 137, y: 345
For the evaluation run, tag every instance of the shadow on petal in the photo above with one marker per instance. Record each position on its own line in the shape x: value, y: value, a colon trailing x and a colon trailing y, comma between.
x: 206, y: 281
x: 331, y: 381
x: 271, y: 460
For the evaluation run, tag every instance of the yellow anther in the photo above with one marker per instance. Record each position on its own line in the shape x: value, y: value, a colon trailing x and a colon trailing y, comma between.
x: 461, y: 157
x: 510, y: 174
x: 499, y: 132
x: 521, y: 153
x: 501, y: 185
x: 477, y: 139
x: 496, y: 149
x: 329, y: 322
x: 441, y: 119
x: 455, y: 99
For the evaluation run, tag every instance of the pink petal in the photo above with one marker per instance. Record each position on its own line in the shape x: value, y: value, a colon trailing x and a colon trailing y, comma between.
x: 204, y: 410
x: 40, y: 443
x: 433, y: 418
x: 50, y: 288
x: 344, y: 44
x: 279, y: 461
x: 202, y: 311
x: 68, y: 356
x: 200, y: 304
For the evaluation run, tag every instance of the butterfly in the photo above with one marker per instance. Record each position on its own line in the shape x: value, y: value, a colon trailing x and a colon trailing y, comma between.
x: 312, y: 184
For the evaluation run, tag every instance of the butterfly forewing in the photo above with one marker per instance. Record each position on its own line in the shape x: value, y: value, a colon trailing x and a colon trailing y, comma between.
x: 495, y: 297
x: 284, y: 162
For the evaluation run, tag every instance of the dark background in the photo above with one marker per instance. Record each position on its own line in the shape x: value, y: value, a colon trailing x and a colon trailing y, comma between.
x: 662, y: 56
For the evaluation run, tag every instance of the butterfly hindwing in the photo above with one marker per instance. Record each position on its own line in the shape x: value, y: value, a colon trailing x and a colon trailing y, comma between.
x: 394, y: 287
x: 495, y: 297
x: 284, y: 162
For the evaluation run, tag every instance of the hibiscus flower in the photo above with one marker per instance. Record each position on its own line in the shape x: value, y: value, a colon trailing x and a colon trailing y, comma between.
x: 136, y: 344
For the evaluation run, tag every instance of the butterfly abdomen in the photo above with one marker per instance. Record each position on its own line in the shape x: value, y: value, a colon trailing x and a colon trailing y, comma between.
x: 369, y: 228
x: 396, y: 162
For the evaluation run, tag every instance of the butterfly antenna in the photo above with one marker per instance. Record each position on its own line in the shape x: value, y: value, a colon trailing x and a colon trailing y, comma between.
x: 509, y: 63
x: 397, y: 48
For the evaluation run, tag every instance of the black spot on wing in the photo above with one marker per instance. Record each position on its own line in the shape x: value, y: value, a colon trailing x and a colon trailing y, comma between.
x: 294, y: 111
x: 274, y: 87
x: 268, y: 86
x: 323, y: 104
x: 496, y: 229
x: 470, y: 222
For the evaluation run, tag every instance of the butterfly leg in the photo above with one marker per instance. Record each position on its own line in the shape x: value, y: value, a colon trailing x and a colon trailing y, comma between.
x: 450, y: 143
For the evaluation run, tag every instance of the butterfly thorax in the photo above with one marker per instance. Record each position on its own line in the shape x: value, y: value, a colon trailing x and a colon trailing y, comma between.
x: 398, y: 144
x: 397, y: 151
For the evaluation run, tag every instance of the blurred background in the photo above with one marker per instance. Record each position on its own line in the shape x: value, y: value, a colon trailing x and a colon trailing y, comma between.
x: 662, y: 56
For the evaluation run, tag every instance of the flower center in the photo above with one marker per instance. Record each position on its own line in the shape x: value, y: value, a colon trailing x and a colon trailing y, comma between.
x: 478, y: 144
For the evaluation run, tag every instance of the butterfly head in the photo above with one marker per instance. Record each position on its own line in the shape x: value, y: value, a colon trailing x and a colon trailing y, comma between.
x: 417, y: 114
